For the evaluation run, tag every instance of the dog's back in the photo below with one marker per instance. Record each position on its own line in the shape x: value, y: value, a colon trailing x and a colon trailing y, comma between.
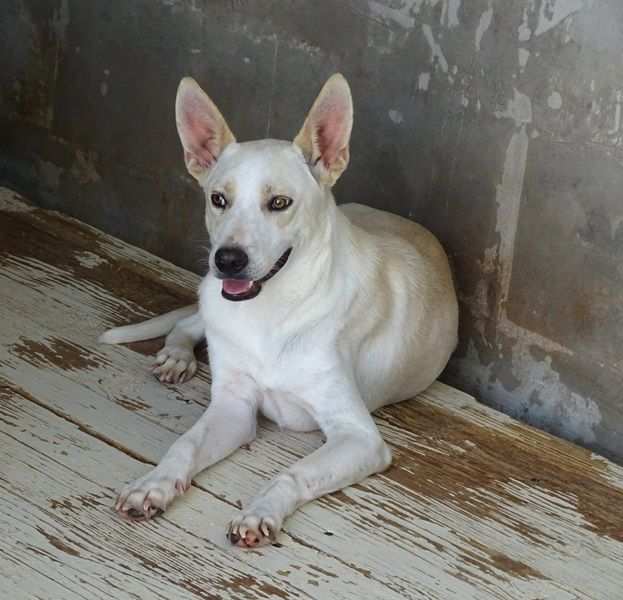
x: 407, y: 315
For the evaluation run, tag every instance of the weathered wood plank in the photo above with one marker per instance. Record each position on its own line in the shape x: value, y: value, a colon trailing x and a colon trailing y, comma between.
x: 475, y: 506
x: 58, y: 484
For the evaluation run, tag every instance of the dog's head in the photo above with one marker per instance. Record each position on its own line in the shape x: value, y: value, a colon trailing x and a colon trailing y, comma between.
x: 264, y: 199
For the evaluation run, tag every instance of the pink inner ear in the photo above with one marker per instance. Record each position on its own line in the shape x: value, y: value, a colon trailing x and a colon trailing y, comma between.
x: 198, y: 130
x: 331, y: 131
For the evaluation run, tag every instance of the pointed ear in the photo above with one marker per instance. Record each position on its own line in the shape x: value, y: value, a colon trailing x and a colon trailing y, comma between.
x: 325, y: 134
x: 201, y: 127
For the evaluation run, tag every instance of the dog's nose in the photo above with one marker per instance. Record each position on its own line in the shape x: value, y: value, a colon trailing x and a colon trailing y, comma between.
x: 230, y: 261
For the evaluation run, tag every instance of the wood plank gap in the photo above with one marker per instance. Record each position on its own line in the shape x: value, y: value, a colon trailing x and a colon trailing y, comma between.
x: 82, y: 427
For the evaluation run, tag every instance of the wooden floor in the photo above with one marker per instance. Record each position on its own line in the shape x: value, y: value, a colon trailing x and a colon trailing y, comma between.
x: 475, y: 506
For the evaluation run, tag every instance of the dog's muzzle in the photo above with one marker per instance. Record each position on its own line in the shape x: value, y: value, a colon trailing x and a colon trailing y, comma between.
x: 245, y: 289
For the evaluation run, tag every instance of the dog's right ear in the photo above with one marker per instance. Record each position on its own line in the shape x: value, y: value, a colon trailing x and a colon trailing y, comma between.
x: 202, y: 129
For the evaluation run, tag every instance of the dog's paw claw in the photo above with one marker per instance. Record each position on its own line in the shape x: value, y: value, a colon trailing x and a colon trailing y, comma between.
x: 148, y: 497
x: 252, y: 531
x: 174, y: 365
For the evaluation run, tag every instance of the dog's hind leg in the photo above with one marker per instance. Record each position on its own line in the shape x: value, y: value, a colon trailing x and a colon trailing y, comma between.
x: 176, y: 362
x: 354, y: 450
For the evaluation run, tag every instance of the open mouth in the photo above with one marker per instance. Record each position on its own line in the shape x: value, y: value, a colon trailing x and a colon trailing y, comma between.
x: 245, y: 289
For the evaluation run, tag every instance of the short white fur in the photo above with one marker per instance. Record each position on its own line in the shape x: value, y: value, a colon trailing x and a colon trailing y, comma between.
x: 363, y: 314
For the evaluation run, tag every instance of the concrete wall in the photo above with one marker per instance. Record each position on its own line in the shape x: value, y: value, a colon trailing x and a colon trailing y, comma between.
x: 496, y: 123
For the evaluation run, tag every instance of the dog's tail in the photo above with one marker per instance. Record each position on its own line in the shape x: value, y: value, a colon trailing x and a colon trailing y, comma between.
x: 147, y: 330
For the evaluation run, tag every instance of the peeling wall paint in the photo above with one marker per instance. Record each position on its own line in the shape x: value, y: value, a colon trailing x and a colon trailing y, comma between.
x: 553, y: 13
x: 437, y: 55
x: 523, y: 56
x: 495, y: 124
x: 450, y: 13
x: 483, y: 25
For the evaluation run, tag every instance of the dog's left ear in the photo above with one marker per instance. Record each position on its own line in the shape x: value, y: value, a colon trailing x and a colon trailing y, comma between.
x: 325, y: 134
x: 202, y: 129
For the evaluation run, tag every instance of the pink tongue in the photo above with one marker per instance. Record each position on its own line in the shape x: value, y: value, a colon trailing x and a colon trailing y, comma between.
x: 237, y: 286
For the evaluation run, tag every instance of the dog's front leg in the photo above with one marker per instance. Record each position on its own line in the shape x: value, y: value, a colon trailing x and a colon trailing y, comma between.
x: 354, y: 449
x: 176, y: 362
x: 228, y: 423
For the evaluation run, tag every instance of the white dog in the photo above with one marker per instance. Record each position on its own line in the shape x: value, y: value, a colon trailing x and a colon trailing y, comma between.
x: 315, y: 315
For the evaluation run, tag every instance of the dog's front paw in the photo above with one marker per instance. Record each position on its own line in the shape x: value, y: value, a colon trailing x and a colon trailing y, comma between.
x: 149, y: 495
x: 253, y: 529
x: 175, y: 365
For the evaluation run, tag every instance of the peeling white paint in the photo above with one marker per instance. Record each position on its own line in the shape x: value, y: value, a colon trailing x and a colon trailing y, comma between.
x: 617, y: 116
x: 548, y: 401
x: 450, y: 13
x: 508, y: 192
x: 553, y: 13
x: 60, y: 21
x: 608, y: 473
x: 403, y: 12
x: 423, y: 81
x: 524, y: 32
x: 554, y: 101
x: 391, y: 14
x: 615, y: 225
x: 523, y: 56
x: 89, y: 259
x: 483, y: 25
x: 508, y: 198
x: 293, y: 43
x: 541, y: 397
x: 395, y: 116
x: 13, y: 203
x: 519, y: 109
x: 435, y: 48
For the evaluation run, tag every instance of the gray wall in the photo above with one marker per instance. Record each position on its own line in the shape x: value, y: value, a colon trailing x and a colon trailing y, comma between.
x: 496, y: 123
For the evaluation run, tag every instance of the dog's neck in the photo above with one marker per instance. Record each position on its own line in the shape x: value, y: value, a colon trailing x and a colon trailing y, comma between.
x: 321, y: 265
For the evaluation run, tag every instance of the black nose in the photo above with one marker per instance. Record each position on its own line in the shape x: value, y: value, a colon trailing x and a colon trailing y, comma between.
x: 230, y: 261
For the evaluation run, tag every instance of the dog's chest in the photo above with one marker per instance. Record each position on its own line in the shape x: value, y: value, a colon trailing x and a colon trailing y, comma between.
x: 282, y: 381
x: 281, y: 363
x: 286, y: 410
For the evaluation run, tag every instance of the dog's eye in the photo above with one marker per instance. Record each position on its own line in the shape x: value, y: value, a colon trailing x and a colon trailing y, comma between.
x: 218, y: 200
x: 279, y: 203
